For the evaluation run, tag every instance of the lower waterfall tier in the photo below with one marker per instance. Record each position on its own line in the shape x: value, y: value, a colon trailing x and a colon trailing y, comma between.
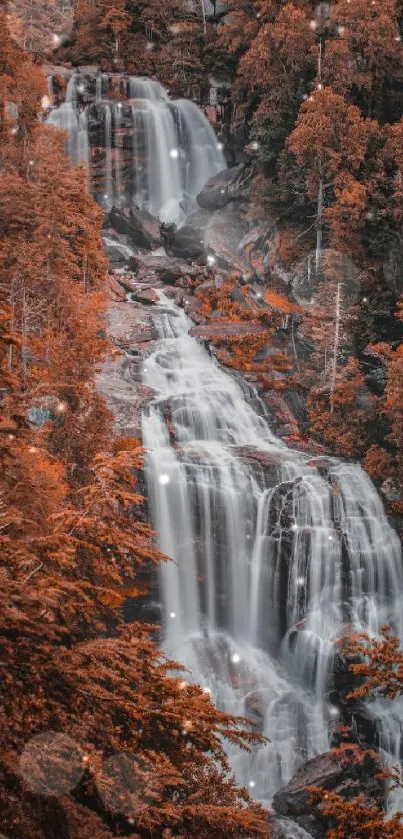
x: 274, y: 558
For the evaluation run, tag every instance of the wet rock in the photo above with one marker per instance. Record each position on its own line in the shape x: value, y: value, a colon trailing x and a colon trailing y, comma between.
x: 286, y: 829
x: 167, y: 276
x: 343, y: 774
x: 115, y: 289
x: 392, y: 490
x: 117, y: 252
x: 229, y: 185
x: 255, y: 707
x: 124, y: 396
x: 187, y: 243
x: 139, y: 293
x: 141, y: 227
x: 130, y: 326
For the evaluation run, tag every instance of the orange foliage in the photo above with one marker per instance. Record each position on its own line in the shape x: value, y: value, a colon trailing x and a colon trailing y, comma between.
x: 347, y: 427
x: 357, y: 819
x: 393, y: 405
x: 231, y: 303
x: 378, y: 663
x: 277, y: 301
x: 378, y: 463
x: 74, y: 540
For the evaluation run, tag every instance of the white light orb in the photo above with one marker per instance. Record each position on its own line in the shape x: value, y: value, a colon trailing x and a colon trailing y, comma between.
x: 235, y: 658
x: 164, y: 479
x: 301, y: 581
x: 252, y: 784
x: 220, y: 146
x: 172, y: 615
x: 211, y: 259
x: 255, y: 145
x: 174, y: 153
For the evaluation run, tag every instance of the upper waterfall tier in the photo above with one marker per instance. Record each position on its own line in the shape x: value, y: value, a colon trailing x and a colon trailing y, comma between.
x: 140, y: 147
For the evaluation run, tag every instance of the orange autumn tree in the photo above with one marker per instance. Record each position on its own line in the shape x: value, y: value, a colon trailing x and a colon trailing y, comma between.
x: 377, y: 663
x: 277, y: 66
x: 154, y: 38
x: 363, y: 58
x: 243, y: 323
x: 39, y: 25
x: 74, y: 542
x: 330, y: 143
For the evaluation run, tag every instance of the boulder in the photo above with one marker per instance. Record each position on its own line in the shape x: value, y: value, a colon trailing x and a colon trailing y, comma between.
x: 167, y: 276
x: 392, y: 490
x: 187, y: 243
x: 229, y: 185
x: 139, y: 292
x: 141, y: 227
x: 347, y: 774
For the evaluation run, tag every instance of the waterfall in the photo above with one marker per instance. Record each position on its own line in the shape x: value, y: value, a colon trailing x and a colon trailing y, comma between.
x: 174, y: 148
x: 275, y: 552
x: 118, y: 155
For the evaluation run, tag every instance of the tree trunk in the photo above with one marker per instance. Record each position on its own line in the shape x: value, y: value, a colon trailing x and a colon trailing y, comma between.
x: 319, y: 222
x: 335, y: 346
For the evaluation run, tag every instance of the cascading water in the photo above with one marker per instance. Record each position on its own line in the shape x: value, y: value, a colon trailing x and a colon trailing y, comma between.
x: 168, y: 146
x: 73, y: 121
x: 274, y: 553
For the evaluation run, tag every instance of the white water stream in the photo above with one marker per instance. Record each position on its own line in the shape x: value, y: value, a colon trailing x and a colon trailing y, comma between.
x: 271, y: 558
x: 172, y: 147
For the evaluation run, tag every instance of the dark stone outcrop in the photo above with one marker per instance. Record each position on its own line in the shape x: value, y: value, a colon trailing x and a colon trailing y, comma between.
x: 344, y: 774
x: 229, y: 185
x: 141, y: 227
x: 186, y: 242
x: 116, y: 252
x: 139, y: 292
